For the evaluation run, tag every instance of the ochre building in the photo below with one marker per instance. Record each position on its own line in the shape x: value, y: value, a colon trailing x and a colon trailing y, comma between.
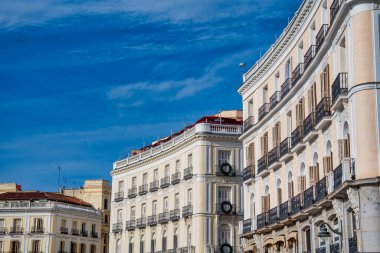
x: 311, y: 134
x: 182, y: 193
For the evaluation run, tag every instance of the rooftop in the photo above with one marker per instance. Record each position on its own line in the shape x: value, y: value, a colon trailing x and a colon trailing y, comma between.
x: 36, y: 195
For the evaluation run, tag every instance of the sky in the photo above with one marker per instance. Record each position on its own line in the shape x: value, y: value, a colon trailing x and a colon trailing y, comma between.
x: 83, y: 82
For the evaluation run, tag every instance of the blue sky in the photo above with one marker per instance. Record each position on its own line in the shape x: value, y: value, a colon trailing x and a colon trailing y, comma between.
x: 84, y: 82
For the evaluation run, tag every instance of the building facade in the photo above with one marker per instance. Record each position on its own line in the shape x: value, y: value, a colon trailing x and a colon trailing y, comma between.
x: 182, y: 193
x: 42, y: 222
x: 311, y: 134
x: 98, y: 194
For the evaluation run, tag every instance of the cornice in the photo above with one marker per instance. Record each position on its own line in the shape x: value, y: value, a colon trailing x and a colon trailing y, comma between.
x: 278, y: 48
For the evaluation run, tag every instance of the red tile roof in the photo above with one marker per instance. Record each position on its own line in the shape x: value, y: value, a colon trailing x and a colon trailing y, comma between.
x: 8, y: 196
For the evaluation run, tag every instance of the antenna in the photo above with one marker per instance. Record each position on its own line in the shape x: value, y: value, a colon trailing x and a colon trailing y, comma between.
x: 59, y: 178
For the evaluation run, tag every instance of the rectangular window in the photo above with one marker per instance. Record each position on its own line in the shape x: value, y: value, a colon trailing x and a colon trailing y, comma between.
x: 83, y: 226
x: 166, y: 204
x: 143, y: 210
x: 133, y: 213
x: 312, y: 98
x: 93, y: 228
x: 224, y: 194
x: 155, y: 175
x: 105, y: 204
x: 154, y: 207
x: 250, y: 108
x: 35, y: 246
x: 224, y: 156
x: 325, y: 83
x: 62, y: 246
x: 145, y: 179
x: 276, y: 82
x: 177, y: 166
x: 38, y: 224
x: 134, y: 182
x: 264, y: 144
x: 189, y: 196
x: 167, y: 170
x: 121, y: 186
x: 189, y: 160
x: 176, y: 201
x: 2, y: 223
x: 276, y: 135
x: 17, y: 223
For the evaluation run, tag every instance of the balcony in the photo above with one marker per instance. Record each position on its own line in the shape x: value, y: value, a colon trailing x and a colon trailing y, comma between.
x: 323, y: 115
x: 309, y: 131
x: 175, y: 214
x: 297, y: 137
x: 339, y: 90
x: 248, y: 123
x: 37, y: 230
x: 273, y: 216
x: 130, y: 225
x: 285, y: 150
x: 3, y: 230
x: 153, y: 186
x: 320, y: 189
x: 263, y: 110
x: 188, y: 249
x: 187, y: 211
x: 247, y: 226
x: 84, y: 233
x: 163, y: 218
x: 334, y: 8
x: 94, y: 234
x: 262, y: 165
x: 308, y: 197
x: 248, y: 173
x: 261, y: 220
x: 284, y: 210
x: 286, y: 87
x: 119, y: 196
x: 226, y: 208
x: 273, y: 156
x: 141, y: 223
x: 309, y: 56
x: 16, y: 231
x: 143, y: 189
x: 320, y: 38
x: 296, y: 204
x: 152, y: 220
x: 165, y: 182
x: 338, y: 176
x: 132, y: 193
x: 274, y: 100
x: 188, y: 173
x: 176, y: 178
x: 297, y: 73
x: 63, y: 230
x: 74, y: 231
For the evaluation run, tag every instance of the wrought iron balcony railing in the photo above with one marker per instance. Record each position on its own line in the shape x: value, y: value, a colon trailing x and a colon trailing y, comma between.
x: 297, y: 73
x: 3, y: 230
x: 338, y: 176
x: 188, y: 173
x: 263, y: 110
x: 248, y: 173
x: 284, y: 210
x: 308, y: 197
x: 152, y: 220
x: 309, y: 56
x: 339, y: 86
x: 273, y: 156
x: 320, y: 38
x: 165, y: 182
x: 334, y: 8
x: 94, y: 234
x: 226, y: 208
x: 132, y: 193
x: 187, y: 211
x: 297, y: 136
x: 248, y: 123
x: 176, y: 178
x: 130, y: 225
x: 37, y: 230
x: 84, y: 233
x: 274, y: 100
x: 247, y: 226
x: 285, y: 147
x: 143, y: 189
x: 153, y: 186
x: 320, y: 189
x: 175, y: 214
x: 16, y: 230
x: 75, y: 231
x: 261, y: 220
x: 273, y: 215
x: 64, y: 230
x: 309, y: 124
x: 262, y: 164
x: 119, y: 196
x: 163, y: 217
x: 323, y: 109
x: 296, y: 204
x: 141, y: 222
x: 286, y: 87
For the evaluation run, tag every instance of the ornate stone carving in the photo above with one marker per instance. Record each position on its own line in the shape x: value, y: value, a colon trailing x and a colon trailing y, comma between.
x: 353, y: 196
x: 338, y: 208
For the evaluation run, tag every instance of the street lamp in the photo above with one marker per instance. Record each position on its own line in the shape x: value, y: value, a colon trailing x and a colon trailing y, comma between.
x: 323, y: 233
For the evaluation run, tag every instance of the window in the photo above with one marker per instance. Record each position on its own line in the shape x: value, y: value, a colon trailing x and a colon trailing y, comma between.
x: 288, y: 69
x: 342, y: 56
x: 265, y: 201
x: 155, y: 175
x: 154, y: 207
x: 276, y: 135
x: 176, y: 201
x: 265, y: 94
x: 264, y: 144
x: 92, y: 248
x: 106, y: 218
x: 290, y: 186
x: 133, y: 213
x: 307, y: 240
x: 177, y: 166
x: 325, y: 82
x: 15, y: 246
x: 175, y: 239
x: 35, y: 246
x: 300, y: 112
x: 142, y: 243
x: 83, y: 226
x: 130, y: 245
x: 93, y: 228
x: 153, y: 243
x: 277, y: 82
x: 62, y: 246
x: 166, y: 204
x: 336, y: 238
x: 2, y: 224
x: 82, y: 248
x: 250, y: 108
x: 224, y: 194
x: 322, y: 241
x: 74, y: 224
x: 224, y: 234
x: 133, y: 182
x: 289, y: 124
x: 120, y: 216
x: 164, y: 241
x: 224, y: 156
x: 312, y: 33
x: 143, y: 210
x: 312, y: 98
x: 73, y: 247
x: 189, y: 236
x: 328, y: 159
x: 189, y: 160
x: 250, y: 154
x: 302, y: 179
x: 38, y: 225
x: 17, y: 223
x: 300, y: 52
x: 279, y: 193
x: 189, y: 196
x: 324, y: 12
x: 121, y: 186
x: 145, y: 179
x: 1, y: 246
x: 105, y: 204
x: 167, y: 170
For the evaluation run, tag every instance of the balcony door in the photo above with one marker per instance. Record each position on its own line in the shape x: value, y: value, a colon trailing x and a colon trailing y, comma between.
x: 166, y: 204
x: 17, y: 224
x: 224, y: 234
x: 154, y: 207
x: 38, y: 224
x: 189, y: 197
x: 224, y: 156
x: 224, y: 194
x: 176, y: 201
x: 119, y: 216
x: 15, y: 247
x: 35, y: 246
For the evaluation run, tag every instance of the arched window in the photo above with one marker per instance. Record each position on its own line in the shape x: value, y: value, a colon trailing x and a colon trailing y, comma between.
x: 314, y: 170
x: 302, y: 178
x: 279, y: 192
x: 252, y: 205
x: 328, y: 159
x: 153, y: 247
x: 142, y: 243
x: 164, y: 241
x: 130, y: 247
x: 189, y: 236
x: 265, y: 201
x: 175, y: 239
x: 224, y: 234
x: 290, y: 185
x: 118, y: 246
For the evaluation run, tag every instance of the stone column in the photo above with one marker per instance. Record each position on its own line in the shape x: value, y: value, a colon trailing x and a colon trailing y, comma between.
x: 366, y: 205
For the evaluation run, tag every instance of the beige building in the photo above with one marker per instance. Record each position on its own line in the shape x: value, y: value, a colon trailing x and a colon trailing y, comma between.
x: 182, y: 193
x: 311, y: 133
x: 98, y: 194
x: 45, y: 222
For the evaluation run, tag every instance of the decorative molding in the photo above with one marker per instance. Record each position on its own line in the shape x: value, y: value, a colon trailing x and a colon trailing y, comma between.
x: 338, y: 208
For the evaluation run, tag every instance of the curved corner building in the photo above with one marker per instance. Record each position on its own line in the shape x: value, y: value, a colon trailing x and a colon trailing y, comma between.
x: 311, y: 134
x: 182, y: 193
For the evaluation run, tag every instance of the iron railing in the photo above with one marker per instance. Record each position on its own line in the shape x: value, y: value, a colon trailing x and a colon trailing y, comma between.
x: 119, y: 196
x: 153, y: 186
x: 273, y: 156
x: 263, y: 110
x: 286, y: 87
x: 248, y: 123
x: 309, y: 123
x: 262, y: 164
x: 297, y: 73
x: 143, y: 189
x: 176, y: 178
x: 323, y: 109
x: 152, y: 220
x: 132, y: 193
x: 309, y: 56
x: 274, y: 100
x: 297, y: 136
x: 248, y: 173
x: 188, y: 173
x: 175, y: 214
x: 339, y: 86
x: 320, y: 38
x: 187, y: 211
x: 285, y: 146
x: 163, y: 217
x: 320, y: 189
x: 165, y: 182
